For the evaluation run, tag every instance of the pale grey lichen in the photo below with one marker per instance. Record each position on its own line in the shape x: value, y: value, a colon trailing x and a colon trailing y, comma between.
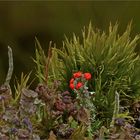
x: 10, y: 70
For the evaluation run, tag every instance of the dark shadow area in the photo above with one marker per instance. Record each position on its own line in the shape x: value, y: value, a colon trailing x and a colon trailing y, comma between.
x: 22, y: 21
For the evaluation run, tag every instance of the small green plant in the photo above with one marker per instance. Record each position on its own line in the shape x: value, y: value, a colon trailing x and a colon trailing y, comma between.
x: 23, y: 83
x: 89, y: 89
x: 109, y: 57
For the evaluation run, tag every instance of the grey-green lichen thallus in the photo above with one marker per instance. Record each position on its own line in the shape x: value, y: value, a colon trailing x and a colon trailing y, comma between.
x: 5, y: 90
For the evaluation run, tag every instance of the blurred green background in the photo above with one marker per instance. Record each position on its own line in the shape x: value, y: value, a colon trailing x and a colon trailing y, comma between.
x: 21, y: 21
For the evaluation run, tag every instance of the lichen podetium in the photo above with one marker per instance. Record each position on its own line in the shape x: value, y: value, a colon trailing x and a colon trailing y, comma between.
x: 10, y: 70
